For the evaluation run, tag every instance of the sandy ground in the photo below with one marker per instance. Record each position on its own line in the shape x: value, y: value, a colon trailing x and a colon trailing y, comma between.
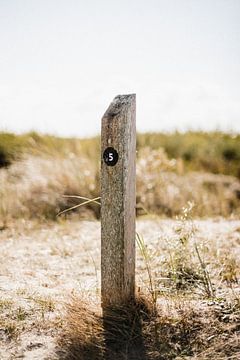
x: 41, y: 266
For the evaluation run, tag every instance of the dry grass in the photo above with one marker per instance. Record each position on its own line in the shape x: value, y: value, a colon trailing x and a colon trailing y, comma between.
x: 40, y: 169
x: 165, y: 188
x: 42, y: 265
x: 179, y: 330
x: 87, y: 334
x: 34, y: 188
x: 214, y: 152
x: 191, y: 310
x: 187, y: 272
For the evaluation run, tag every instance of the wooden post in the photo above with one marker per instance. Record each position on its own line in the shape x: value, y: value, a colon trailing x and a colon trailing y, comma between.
x: 118, y: 199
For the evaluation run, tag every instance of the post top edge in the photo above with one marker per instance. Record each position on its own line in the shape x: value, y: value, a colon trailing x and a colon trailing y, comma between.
x: 120, y: 96
x: 124, y: 99
x: 118, y: 103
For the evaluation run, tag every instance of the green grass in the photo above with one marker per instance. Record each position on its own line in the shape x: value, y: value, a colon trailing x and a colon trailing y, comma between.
x: 13, y: 147
x: 214, y: 152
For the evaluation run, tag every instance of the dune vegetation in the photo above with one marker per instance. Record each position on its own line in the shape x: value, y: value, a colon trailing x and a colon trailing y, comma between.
x: 188, y: 250
x: 172, y: 169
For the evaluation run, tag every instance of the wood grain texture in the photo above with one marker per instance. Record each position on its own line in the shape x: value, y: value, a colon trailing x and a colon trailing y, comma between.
x: 118, y: 201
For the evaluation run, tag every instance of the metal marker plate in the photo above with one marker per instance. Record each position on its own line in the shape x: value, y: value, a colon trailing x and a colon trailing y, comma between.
x: 110, y: 156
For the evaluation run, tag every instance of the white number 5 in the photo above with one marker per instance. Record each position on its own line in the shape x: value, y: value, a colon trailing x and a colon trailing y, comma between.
x: 110, y: 156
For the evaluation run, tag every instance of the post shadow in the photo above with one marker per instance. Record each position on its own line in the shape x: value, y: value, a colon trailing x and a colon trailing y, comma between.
x: 123, y: 333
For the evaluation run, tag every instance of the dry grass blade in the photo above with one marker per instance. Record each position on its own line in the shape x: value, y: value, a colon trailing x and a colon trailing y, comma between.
x: 82, y: 198
x: 89, y: 201
x: 146, y: 256
x: 207, y: 281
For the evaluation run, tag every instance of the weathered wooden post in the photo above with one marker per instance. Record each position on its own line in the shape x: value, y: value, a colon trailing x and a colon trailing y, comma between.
x: 118, y: 198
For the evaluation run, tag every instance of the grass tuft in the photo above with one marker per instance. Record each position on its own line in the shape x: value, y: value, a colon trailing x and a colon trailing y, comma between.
x: 135, y: 332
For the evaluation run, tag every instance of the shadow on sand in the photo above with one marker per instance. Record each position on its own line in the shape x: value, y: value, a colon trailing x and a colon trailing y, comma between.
x: 123, y: 333
x: 116, y: 334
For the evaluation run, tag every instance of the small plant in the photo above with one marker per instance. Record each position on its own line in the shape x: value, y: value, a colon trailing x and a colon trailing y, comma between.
x: 185, y: 271
x: 11, y: 329
x: 229, y: 271
x: 5, y: 304
x: 21, y: 314
x: 206, y: 277
x: 44, y: 304
x: 147, y: 259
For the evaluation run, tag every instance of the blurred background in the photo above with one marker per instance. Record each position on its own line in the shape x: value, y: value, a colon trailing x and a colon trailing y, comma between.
x: 61, y: 64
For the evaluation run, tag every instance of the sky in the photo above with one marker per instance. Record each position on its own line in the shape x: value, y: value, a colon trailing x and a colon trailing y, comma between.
x: 62, y: 63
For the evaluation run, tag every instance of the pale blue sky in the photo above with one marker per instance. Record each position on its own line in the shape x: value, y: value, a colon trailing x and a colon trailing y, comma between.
x: 62, y: 62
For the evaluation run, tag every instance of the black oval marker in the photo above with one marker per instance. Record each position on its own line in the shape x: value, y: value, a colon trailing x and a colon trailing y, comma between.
x: 110, y: 156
